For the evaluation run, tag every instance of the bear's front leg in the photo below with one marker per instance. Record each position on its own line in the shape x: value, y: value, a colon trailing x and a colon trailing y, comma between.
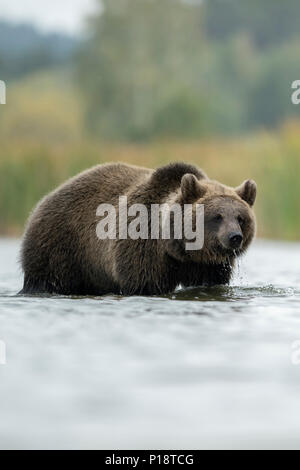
x: 196, y: 274
x: 218, y: 274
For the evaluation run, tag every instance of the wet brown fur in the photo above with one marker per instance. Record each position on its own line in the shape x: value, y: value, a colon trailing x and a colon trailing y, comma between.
x: 61, y: 252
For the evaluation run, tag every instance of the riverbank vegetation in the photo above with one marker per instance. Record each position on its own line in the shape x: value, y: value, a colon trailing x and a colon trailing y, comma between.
x: 29, y: 169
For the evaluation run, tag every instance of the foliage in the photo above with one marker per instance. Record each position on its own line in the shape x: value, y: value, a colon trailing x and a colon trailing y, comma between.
x: 30, y: 169
x: 138, y: 70
x: 153, y: 68
x: 23, y: 50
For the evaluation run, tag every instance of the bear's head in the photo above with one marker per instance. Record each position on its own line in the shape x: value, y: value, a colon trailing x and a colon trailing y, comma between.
x: 229, y: 220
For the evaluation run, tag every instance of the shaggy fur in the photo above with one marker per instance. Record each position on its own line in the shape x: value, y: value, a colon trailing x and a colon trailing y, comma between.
x: 61, y: 252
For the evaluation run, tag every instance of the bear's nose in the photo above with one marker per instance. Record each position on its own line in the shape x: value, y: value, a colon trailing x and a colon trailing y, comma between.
x: 235, y: 239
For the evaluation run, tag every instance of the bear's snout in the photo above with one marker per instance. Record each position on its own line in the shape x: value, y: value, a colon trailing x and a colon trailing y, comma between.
x: 235, y: 240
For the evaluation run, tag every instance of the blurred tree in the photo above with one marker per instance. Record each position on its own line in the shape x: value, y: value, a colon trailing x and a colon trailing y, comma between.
x: 137, y: 70
x: 183, y: 68
x: 270, y: 96
x: 268, y: 22
x: 23, y: 50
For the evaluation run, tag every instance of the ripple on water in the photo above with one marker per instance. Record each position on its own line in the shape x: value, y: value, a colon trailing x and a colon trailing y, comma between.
x: 200, y: 366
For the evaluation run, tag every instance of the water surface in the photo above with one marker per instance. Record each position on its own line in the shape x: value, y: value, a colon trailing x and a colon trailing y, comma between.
x: 203, y: 368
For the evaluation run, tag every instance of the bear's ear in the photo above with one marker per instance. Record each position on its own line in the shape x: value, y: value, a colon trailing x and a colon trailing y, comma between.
x: 191, y: 188
x: 247, y: 191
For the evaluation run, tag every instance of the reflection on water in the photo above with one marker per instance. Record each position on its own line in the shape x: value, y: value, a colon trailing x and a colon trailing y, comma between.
x: 230, y: 294
x: 201, y: 368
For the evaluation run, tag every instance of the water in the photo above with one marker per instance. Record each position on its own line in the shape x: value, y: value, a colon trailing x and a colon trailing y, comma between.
x: 203, y: 368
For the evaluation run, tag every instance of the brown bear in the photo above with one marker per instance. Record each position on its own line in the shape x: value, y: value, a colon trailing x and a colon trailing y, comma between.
x: 62, y: 254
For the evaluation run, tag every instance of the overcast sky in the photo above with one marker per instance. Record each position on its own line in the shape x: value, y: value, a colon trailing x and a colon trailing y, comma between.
x: 50, y: 15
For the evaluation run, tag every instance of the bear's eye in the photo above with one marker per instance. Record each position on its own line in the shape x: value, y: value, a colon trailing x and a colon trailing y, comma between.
x: 218, y: 218
x: 241, y: 220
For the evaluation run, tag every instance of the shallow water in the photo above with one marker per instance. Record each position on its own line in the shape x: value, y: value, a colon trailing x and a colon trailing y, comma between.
x: 203, y: 368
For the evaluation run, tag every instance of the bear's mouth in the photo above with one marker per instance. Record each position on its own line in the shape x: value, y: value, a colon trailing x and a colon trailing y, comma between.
x: 229, y: 252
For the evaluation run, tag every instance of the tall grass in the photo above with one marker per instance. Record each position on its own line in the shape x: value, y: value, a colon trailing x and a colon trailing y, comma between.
x: 29, y: 170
